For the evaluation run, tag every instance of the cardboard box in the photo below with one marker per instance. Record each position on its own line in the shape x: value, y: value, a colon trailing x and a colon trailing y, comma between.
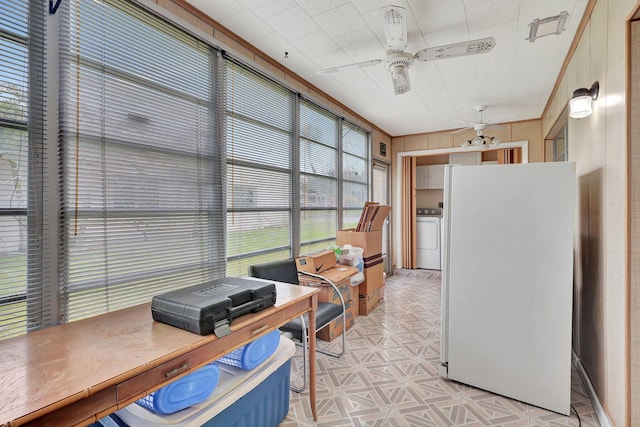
x: 381, y: 292
x: 368, y: 303
x: 336, y: 274
x: 368, y: 234
x: 334, y: 329
x: 372, y: 217
x: 372, y: 261
x: 369, y: 241
x: 373, y: 279
x: 316, y: 263
x: 327, y: 293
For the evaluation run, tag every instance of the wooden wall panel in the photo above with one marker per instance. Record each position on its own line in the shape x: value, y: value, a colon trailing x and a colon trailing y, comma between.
x: 378, y: 138
x: 439, y: 140
x: 530, y: 130
x: 416, y: 142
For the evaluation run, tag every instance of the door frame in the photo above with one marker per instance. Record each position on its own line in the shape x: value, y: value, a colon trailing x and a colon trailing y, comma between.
x: 387, y: 166
x: 396, y: 231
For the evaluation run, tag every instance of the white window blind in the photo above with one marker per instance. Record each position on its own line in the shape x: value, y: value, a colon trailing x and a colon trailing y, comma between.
x: 319, y: 141
x: 258, y: 133
x: 142, y: 204
x: 22, y: 62
x: 355, y: 173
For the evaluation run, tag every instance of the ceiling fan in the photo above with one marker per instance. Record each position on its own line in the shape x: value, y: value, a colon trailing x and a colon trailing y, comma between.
x: 398, y: 62
x: 479, y: 126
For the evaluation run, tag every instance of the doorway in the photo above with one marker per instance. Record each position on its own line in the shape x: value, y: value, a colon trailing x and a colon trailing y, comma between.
x: 404, y: 226
x: 633, y: 334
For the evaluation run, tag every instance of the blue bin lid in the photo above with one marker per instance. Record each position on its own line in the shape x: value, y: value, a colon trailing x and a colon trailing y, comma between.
x: 186, y: 391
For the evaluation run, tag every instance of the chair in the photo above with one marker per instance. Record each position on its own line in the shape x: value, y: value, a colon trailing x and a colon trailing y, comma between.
x: 286, y: 271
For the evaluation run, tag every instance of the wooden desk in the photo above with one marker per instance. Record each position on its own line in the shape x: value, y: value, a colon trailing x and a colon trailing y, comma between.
x: 79, y: 372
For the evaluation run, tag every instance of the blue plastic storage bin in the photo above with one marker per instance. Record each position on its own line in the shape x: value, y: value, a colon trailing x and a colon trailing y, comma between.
x: 251, y: 355
x: 265, y: 405
x: 184, y: 392
x: 256, y: 398
x: 109, y: 421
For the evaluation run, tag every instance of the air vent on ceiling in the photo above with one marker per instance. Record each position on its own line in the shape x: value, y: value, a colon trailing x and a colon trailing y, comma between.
x: 547, y: 26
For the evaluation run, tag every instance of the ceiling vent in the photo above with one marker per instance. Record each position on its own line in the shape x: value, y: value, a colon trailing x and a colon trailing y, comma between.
x: 547, y: 26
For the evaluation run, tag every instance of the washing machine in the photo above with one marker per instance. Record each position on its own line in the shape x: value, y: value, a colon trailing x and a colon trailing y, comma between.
x: 428, y: 239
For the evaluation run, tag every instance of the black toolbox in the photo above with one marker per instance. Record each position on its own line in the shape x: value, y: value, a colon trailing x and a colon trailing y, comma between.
x: 210, y: 307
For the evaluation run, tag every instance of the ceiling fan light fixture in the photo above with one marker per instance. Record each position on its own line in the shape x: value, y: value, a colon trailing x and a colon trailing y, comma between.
x: 400, y: 80
x: 398, y: 72
x: 580, y: 105
x: 398, y: 65
x: 478, y: 140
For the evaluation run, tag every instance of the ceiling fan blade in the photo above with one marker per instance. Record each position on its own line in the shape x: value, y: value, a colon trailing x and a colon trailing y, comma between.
x: 395, y: 27
x: 364, y: 64
x: 461, y: 130
x: 493, y: 125
x: 471, y: 47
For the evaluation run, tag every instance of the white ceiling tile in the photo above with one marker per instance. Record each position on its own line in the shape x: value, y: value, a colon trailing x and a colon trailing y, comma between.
x: 316, y: 7
x: 267, y: 8
x: 318, y: 44
x: 438, y: 17
x: 299, y: 61
x: 514, y: 79
x: 490, y: 13
x: 348, y: 29
x: 219, y: 10
x: 447, y: 36
x: 366, y: 6
x: 293, y: 24
x: 275, y: 45
x: 253, y: 28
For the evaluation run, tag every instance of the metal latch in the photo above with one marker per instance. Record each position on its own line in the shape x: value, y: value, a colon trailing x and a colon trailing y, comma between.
x: 221, y: 328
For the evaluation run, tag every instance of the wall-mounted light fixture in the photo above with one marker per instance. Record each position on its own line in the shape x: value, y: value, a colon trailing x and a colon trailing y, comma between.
x: 580, y: 104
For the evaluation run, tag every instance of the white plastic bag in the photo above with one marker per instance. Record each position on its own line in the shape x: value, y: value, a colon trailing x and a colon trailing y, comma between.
x: 352, y: 255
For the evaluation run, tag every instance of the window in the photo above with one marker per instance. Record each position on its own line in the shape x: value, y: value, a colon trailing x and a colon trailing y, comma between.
x: 381, y: 195
x: 561, y: 146
x: 21, y: 163
x: 258, y: 134
x: 318, y: 177
x: 142, y: 190
x: 171, y: 164
x: 355, y: 173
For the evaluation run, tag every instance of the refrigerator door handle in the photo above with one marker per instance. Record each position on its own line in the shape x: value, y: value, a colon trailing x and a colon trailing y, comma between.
x: 443, y: 369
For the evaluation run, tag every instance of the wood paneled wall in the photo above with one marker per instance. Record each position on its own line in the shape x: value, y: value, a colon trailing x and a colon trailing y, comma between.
x: 529, y: 130
x: 599, y: 146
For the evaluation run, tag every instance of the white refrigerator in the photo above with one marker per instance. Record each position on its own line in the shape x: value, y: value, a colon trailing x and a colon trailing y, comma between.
x: 507, y: 280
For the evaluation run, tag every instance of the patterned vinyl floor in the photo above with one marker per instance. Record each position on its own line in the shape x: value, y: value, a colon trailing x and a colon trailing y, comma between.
x: 389, y: 377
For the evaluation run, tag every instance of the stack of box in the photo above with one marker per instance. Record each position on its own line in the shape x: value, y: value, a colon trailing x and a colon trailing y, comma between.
x: 368, y: 236
x: 324, y: 264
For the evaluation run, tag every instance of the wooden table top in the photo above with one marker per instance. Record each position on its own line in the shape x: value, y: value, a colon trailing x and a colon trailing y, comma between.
x: 62, y: 364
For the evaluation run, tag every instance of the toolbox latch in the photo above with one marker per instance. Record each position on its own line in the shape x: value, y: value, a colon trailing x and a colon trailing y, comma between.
x: 221, y: 328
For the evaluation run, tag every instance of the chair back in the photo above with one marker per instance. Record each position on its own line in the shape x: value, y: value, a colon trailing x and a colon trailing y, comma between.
x: 280, y: 271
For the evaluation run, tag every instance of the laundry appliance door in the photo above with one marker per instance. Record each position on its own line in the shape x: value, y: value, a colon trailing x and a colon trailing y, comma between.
x: 428, y: 242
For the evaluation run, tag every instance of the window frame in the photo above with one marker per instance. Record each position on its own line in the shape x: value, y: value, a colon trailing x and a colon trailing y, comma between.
x: 30, y: 293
